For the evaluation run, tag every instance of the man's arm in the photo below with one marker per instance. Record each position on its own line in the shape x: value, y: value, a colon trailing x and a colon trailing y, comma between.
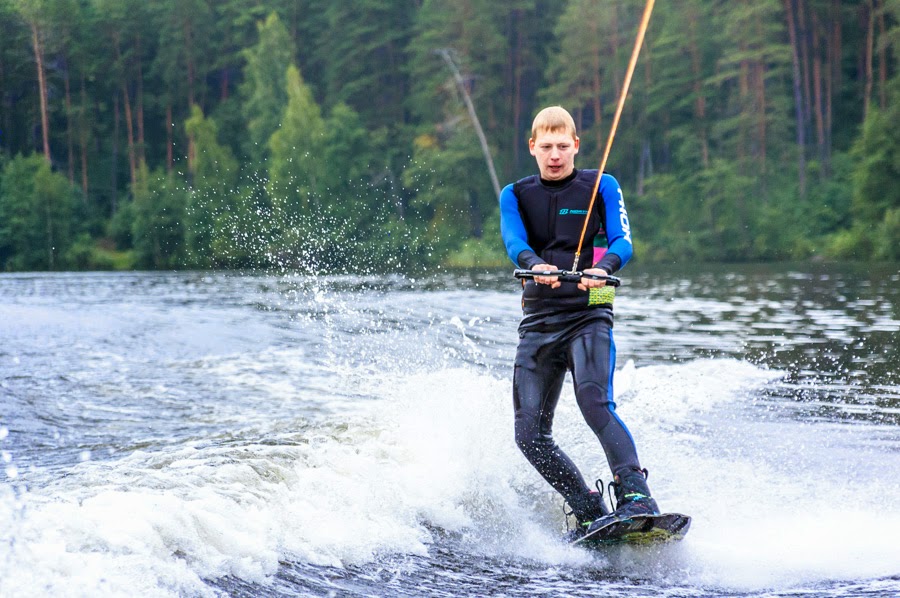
x: 618, y: 229
x: 512, y: 229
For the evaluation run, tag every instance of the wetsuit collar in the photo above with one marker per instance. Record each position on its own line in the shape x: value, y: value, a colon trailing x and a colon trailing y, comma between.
x: 561, y: 182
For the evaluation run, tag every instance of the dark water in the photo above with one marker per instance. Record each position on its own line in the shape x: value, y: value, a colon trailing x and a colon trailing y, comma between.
x: 246, y: 435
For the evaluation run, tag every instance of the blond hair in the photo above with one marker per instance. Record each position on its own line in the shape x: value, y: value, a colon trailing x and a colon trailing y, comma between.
x: 553, y: 119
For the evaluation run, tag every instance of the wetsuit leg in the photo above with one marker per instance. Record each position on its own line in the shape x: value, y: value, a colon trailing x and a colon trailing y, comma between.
x: 536, y: 388
x: 592, y: 355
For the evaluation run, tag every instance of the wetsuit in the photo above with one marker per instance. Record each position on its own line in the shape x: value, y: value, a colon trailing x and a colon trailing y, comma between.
x: 566, y: 329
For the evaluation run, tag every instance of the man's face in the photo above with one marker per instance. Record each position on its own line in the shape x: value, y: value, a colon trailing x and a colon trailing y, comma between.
x: 555, y: 154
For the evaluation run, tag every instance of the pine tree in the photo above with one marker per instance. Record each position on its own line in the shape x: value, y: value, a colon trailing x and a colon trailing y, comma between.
x: 213, y: 208
x: 264, y: 88
x: 362, y: 60
x: 296, y: 166
x: 581, y: 73
x: 36, y: 209
x: 158, y: 225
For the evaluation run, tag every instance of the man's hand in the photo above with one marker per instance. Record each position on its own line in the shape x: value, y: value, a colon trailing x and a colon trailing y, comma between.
x: 553, y: 281
x: 590, y: 283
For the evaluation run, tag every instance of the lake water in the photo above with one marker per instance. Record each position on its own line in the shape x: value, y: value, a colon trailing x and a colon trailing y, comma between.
x: 205, y: 434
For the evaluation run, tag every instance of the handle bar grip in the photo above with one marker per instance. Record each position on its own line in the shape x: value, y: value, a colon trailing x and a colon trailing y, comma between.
x: 566, y: 276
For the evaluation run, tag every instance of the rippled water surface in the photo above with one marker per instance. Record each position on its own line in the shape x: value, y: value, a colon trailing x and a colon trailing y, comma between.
x: 202, y: 434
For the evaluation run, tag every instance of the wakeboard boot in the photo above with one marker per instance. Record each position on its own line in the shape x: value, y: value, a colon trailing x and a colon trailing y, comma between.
x: 587, y: 507
x: 632, y: 499
x: 633, y: 495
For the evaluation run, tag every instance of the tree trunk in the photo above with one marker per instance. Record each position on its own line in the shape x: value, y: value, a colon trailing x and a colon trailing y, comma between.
x: 192, y: 158
x: 645, y: 159
x: 835, y: 59
x: 83, y: 141
x: 803, y: 43
x: 50, y: 244
x: 596, y: 67
x: 870, y: 37
x: 472, y: 114
x: 798, y: 99
x: 129, y: 129
x: 5, y: 106
x: 830, y: 58
x: 142, y: 157
x: 69, y: 143
x: 759, y: 73
x: 129, y: 122
x: 645, y: 166
x: 42, y: 90
x: 817, y: 98
x: 597, y: 108
x: 517, y: 92
x: 115, y: 155
x: 744, y: 88
x: 700, y: 99
x: 614, y: 42
x: 190, y: 62
x: 836, y: 44
x: 170, y: 150
x: 761, y: 122
x: 882, y: 59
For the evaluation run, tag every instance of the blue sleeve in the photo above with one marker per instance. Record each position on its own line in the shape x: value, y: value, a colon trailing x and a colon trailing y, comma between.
x: 512, y: 229
x: 618, y: 230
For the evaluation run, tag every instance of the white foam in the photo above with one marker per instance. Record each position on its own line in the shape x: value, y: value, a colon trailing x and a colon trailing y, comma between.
x: 435, y: 450
x: 772, y: 502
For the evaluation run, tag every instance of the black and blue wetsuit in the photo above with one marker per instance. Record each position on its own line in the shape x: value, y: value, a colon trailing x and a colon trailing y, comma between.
x: 566, y: 329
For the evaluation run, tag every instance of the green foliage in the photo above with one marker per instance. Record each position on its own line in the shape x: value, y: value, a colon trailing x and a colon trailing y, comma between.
x: 582, y: 70
x: 449, y: 201
x: 264, y: 88
x: 486, y: 252
x: 348, y: 154
x: 36, y: 207
x: 86, y: 253
x: 370, y: 161
x: 325, y: 210
x: 158, y: 210
x: 887, y: 236
x: 753, y: 69
x: 212, y: 195
x: 877, y: 153
x: 297, y: 149
x: 185, y: 37
x: 475, y: 34
x: 362, y: 60
x: 876, y: 196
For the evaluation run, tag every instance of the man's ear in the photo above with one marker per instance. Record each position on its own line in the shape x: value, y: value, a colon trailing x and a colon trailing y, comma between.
x: 577, y: 143
x: 531, y: 145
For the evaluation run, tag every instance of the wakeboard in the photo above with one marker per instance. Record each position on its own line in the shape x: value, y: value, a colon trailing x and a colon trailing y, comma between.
x: 640, y: 529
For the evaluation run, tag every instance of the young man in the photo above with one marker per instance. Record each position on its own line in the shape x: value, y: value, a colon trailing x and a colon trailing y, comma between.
x: 568, y: 326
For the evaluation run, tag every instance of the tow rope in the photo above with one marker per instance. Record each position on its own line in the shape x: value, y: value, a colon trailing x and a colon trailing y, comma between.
x: 638, y: 42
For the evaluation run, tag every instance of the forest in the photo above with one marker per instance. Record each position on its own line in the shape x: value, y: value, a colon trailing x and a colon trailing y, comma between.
x: 335, y: 136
